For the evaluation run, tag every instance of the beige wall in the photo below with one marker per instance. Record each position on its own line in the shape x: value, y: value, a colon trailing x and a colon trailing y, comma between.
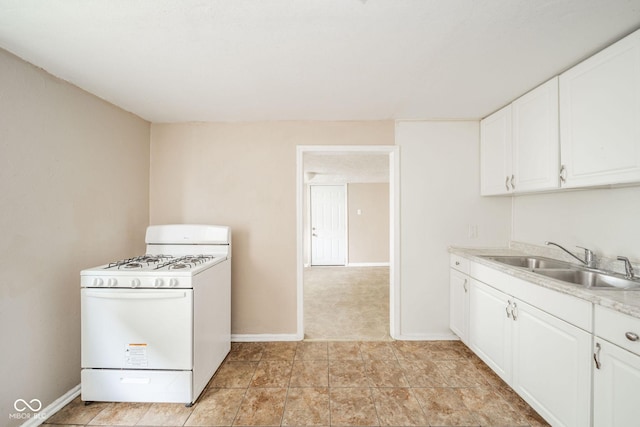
x: 244, y: 175
x: 369, y: 231
x: 74, y: 194
x: 440, y: 198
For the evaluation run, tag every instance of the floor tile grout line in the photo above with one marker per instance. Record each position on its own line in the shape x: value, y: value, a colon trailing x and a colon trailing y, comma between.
x: 244, y: 395
x: 375, y: 407
x: 486, y: 384
x: 286, y: 397
x: 424, y: 412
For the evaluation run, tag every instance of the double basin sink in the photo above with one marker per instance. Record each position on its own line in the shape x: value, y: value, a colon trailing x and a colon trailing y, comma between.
x: 571, y: 273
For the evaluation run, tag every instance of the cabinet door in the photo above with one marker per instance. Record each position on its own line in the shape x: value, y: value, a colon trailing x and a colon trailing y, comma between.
x: 551, y: 366
x: 616, y: 386
x: 490, y: 327
x: 495, y: 153
x: 459, y: 304
x: 536, y: 148
x: 600, y: 117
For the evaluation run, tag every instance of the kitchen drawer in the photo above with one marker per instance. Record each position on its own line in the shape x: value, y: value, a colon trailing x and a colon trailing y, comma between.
x: 128, y: 385
x: 459, y: 263
x: 618, y: 328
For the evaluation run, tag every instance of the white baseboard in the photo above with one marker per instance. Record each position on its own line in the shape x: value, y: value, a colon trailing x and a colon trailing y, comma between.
x: 294, y: 337
x: 354, y: 264
x: 368, y: 264
x: 54, y: 407
x: 427, y: 337
x: 264, y: 337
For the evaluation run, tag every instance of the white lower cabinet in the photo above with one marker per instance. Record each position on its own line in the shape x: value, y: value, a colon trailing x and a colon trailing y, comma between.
x: 616, y: 384
x: 459, y: 297
x: 459, y: 306
x: 543, y: 358
x: 616, y: 371
x: 551, y: 366
x: 576, y: 364
x: 490, y: 328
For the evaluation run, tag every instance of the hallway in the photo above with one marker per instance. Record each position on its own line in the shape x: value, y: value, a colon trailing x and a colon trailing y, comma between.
x: 346, y: 303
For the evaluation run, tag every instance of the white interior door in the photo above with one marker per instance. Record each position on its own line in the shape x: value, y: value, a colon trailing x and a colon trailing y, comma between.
x: 328, y: 225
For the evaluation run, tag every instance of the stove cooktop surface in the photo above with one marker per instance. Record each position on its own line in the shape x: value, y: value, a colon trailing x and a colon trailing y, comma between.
x: 156, y: 265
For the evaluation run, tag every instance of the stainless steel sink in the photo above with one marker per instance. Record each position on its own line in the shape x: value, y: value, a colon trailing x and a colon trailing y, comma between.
x: 567, y: 272
x: 591, y: 279
x: 529, y: 262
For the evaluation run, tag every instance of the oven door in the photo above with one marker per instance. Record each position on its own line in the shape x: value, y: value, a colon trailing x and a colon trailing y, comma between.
x: 137, y: 328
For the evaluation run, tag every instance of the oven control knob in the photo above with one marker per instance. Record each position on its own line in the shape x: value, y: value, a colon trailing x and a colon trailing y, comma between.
x: 173, y: 283
x: 135, y: 283
x: 112, y: 282
x: 158, y: 283
x: 98, y: 282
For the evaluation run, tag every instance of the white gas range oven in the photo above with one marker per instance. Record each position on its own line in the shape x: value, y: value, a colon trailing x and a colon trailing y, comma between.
x: 155, y: 328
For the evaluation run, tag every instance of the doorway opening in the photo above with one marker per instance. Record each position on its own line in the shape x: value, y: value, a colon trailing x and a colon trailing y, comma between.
x: 373, y: 284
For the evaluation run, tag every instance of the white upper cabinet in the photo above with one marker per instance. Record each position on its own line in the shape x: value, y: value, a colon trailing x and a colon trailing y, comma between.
x: 495, y: 153
x: 580, y: 129
x: 519, y: 144
x: 536, y: 147
x: 600, y: 117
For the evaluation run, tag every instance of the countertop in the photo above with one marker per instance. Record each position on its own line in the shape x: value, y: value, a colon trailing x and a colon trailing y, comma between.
x: 627, y: 302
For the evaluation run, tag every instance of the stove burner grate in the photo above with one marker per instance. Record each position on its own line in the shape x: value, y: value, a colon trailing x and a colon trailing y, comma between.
x: 187, y: 261
x: 132, y: 265
x: 139, y: 261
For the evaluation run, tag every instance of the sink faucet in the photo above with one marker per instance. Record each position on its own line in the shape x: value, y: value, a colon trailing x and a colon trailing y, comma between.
x: 589, y: 259
x: 628, y: 268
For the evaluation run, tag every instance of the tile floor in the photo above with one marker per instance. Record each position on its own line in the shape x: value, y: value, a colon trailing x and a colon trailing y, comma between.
x: 346, y: 303
x: 345, y: 383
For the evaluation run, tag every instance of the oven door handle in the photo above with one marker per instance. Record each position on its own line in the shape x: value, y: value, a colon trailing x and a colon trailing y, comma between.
x: 136, y: 295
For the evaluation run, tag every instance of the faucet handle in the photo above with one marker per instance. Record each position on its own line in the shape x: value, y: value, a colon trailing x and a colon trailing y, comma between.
x: 588, y: 255
x: 628, y: 268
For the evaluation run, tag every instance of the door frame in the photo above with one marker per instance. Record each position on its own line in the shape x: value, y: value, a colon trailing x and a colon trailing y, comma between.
x: 346, y: 221
x: 393, y: 152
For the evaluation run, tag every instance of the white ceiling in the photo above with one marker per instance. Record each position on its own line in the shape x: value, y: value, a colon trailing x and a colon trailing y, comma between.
x: 340, y: 167
x: 246, y: 60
